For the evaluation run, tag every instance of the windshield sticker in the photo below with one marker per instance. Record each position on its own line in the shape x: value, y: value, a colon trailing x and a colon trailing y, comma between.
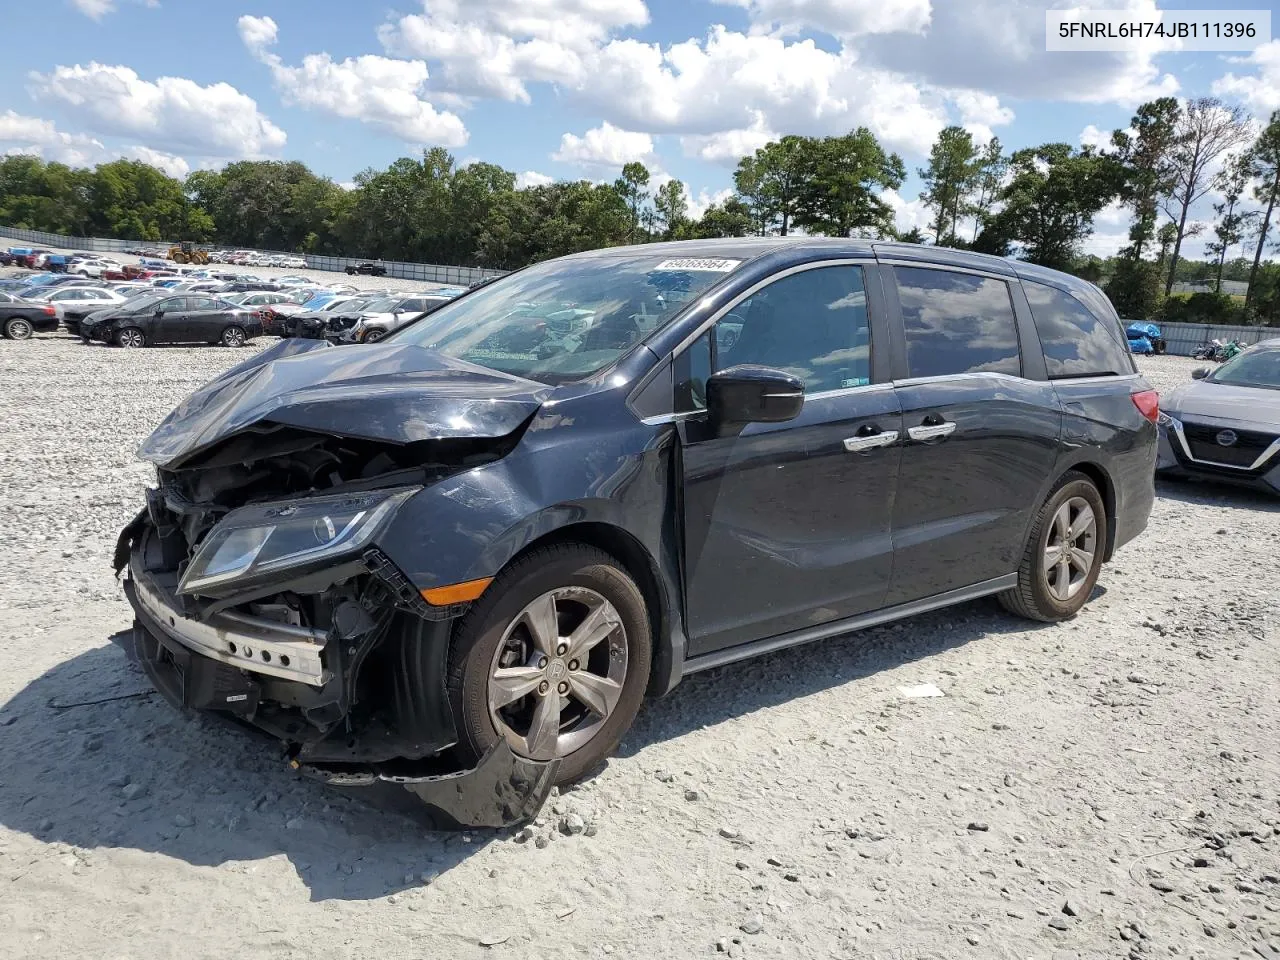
x: 695, y: 263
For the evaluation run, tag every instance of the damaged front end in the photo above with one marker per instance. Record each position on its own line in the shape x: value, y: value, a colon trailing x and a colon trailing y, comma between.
x: 260, y: 592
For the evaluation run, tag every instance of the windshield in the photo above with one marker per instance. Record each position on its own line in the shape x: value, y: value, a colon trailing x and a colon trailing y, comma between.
x: 1253, y: 368
x: 566, y: 319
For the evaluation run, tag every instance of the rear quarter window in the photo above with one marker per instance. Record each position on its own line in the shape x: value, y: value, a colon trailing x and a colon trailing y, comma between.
x: 1076, y: 342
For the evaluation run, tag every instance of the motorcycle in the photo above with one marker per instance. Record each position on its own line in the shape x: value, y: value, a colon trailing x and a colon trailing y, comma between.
x: 1218, y: 350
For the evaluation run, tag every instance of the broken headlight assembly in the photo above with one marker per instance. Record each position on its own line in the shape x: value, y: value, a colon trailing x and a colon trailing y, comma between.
x: 255, y: 542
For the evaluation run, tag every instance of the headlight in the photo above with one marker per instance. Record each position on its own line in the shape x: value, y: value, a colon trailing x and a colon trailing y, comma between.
x: 1168, y: 422
x: 264, y: 538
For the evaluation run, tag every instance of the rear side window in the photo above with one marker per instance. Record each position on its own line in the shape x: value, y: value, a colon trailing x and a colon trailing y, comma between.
x: 1076, y: 343
x: 957, y: 323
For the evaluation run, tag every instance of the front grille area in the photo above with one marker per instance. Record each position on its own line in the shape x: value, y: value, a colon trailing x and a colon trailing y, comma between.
x: 1203, y: 441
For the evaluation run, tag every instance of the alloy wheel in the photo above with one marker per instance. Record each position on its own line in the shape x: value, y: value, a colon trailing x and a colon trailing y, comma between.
x: 131, y: 338
x: 233, y: 337
x: 558, y: 673
x: 1071, y: 549
x: 18, y: 329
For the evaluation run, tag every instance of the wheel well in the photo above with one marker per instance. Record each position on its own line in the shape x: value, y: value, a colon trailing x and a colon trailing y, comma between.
x: 633, y: 558
x: 1102, y: 480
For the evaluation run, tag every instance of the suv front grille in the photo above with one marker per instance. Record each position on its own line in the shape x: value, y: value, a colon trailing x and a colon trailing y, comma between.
x: 1248, y: 446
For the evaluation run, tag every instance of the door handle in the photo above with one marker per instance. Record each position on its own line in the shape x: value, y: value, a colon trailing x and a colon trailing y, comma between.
x: 932, y: 431
x: 871, y: 441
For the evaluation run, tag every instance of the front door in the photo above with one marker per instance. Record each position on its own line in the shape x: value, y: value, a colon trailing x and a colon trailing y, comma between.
x: 981, y: 438
x: 787, y: 525
x: 169, y: 325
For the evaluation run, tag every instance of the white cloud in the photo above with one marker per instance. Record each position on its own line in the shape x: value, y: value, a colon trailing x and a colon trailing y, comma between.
x: 382, y: 92
x: 174, y: 166
x: 979, y: 112
x: 840, y: 18
x: 907, y: 213
x: 42, y: 138
x: 998, y: 46
x: 1091, y: 136
x: 173, y: 112
x: 698, y: 205
x: 95, y: 9
x: 605, y: 146
x: 531, y: 178
x: 729, y: 146
x: 491, y: 48
x: 1260, y: 91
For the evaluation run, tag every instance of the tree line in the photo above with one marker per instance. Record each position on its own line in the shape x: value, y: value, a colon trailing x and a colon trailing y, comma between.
x: 1038, y: 203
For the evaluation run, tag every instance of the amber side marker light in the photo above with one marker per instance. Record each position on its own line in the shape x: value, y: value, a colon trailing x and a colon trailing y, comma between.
x: 456, y: 592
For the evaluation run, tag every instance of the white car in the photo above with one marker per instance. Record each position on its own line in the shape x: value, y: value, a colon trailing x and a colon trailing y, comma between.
x: 73, y: 304
x: 92, y: 268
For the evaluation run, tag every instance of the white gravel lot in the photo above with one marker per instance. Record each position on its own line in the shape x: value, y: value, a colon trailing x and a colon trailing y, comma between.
x: 1102, y: 788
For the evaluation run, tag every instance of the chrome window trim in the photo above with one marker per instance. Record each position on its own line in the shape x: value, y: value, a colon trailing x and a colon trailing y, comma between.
x: 1263, y: 457
x: 820, y: 395
x: 931, y: 265
x: 968, y: 375
x: 1101, y: 377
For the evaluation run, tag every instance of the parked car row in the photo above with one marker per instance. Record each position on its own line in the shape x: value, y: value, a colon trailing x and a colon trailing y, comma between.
x: 204, y: 305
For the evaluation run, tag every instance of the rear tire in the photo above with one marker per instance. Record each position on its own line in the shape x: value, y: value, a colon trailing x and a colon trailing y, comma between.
x: 1054, y: 579
x: 234, y: 336
x: 497, y: 635
x: 18, y: 328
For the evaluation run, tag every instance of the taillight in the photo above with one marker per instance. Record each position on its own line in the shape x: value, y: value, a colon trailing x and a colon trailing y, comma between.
x: 50, y: 311
x: 1148, y: 403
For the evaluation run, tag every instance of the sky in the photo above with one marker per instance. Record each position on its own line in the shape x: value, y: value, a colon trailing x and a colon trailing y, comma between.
x: 557, y: 89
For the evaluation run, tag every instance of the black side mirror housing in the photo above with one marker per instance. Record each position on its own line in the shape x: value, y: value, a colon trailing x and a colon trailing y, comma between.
x: 1199, y: 373
x: 753, y: 394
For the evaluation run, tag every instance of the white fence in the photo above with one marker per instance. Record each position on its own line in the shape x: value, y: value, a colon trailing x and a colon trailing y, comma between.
x: 1183, y: 338
x: 426, y: 272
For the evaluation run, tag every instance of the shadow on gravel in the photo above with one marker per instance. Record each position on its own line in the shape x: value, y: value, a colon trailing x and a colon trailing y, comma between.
x: 96, y: 759
x: 1212, y: 494
x: 134, y: 773
x: 705, y: 699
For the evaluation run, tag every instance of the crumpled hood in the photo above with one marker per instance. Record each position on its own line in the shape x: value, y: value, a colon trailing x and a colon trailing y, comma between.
x: 394, y: 392
x: 1222, y: 401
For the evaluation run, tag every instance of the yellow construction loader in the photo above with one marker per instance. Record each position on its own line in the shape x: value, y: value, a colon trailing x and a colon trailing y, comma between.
x: 188, y: 252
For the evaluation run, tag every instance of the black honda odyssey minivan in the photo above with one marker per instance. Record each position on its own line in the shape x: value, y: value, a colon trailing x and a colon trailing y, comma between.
x: 459, y: 559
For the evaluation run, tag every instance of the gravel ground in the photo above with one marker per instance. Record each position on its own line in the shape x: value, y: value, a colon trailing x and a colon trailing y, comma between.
x: 1102, y: 788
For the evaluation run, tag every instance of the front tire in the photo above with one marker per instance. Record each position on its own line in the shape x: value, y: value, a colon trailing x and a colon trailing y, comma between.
x: 18, y: 328
x: 373, y: 336
x: 131, y: 337
x: 1064, y: 552
x: 554, y: 658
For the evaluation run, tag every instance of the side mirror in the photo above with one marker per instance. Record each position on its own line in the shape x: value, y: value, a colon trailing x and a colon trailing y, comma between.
x: 753, y: 394
x: 1199, y: 373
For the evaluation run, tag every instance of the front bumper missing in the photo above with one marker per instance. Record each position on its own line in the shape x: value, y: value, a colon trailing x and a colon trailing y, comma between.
x: 204, y: 666
x: 236, y: 639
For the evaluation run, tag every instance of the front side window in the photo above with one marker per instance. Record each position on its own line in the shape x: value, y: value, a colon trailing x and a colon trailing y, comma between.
x: 1075, y: 342
x: 564, y: 320
x: 812, y: 324
x: 957, y: 323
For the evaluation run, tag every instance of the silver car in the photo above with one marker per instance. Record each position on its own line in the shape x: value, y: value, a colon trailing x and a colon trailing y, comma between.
x: 1225, y: 425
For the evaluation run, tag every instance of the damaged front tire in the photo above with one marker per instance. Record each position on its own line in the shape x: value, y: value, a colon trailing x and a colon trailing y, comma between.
x: 553, y: 659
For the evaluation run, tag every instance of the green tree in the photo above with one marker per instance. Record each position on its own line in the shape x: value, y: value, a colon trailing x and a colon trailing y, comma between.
x: 632, y: 188
x: 1051, y: 200
x: 1147, y: 156
x: 733, y: 218
x: 1264, y: 165
x: 992, y: 165
x: 841, y: 192
x: 1232, y: 222
x: 774, y: 179
x: 1205, y: 130
x: 949, y: 178
x: 671, y: 208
